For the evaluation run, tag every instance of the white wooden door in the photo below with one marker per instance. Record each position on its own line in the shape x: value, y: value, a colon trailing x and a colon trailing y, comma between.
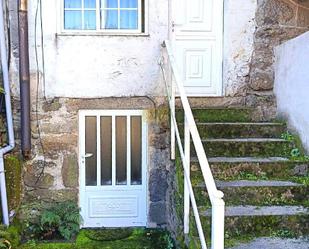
x: 196, y: 33
x: 113, y: 168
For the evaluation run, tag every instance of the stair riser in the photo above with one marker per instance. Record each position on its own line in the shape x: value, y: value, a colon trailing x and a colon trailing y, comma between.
x: 219, y: 115
x: 245, y: 149
x: 243, y: 171
x: 259, y: 196
x: 240, y: 131
x: 259, y: 226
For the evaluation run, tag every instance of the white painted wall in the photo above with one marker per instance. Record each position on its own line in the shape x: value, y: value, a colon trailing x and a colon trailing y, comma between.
x: 292, y: 84
x: 102, y: 66
x: 239, y: 28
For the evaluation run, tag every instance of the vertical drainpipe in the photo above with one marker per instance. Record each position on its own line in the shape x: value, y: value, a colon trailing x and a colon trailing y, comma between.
x: 24, y: 77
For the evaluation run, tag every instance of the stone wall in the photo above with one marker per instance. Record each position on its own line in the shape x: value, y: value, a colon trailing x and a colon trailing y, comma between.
x: 55, y: 150
x: 276, y: 21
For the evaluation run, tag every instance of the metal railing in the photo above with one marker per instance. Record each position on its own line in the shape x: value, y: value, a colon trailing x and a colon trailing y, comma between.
x: 174, y: 83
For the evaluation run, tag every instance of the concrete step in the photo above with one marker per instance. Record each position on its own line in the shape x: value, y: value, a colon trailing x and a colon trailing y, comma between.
x: 240, y: 130
x: 259, y: 193
x: 242, y: 147
x: 259, y: 220
x: 219, y: 115
x: 274, y: 243
x: 252, y: 168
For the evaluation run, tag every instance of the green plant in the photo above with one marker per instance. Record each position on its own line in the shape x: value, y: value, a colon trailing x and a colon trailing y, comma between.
x: 60, y: 219
x: 283, y: 233
x: 287, y: 136
x: 9, y: 237
x: 169, y: 241
x: 295, y: 153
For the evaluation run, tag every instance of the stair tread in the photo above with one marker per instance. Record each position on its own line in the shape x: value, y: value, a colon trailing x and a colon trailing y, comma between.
x: 243, y: 159
x: 220, y: 108
x: 260, y: 211
x: 242, y: 123
x: 256, y: 140
x: 251, y: 183
x: 260, y: 183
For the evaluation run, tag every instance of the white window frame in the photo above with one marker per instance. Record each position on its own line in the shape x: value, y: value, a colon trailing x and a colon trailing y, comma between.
x: 98, y: 30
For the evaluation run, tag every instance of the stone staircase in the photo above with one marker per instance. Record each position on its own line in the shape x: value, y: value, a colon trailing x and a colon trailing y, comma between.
x: 266, y: 193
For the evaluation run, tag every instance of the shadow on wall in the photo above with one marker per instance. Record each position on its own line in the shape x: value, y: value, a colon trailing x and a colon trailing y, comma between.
x: 292, y: 84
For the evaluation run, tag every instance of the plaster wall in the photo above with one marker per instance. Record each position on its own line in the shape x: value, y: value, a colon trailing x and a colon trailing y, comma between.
x: 292, y: 84
x: 239, y: 29
x: 99, y: 65
x: 104, y: 65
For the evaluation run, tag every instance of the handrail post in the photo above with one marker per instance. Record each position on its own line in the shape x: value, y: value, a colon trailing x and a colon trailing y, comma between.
x: 173, y: 132
x: 187, y: 165
x: 217, y: 227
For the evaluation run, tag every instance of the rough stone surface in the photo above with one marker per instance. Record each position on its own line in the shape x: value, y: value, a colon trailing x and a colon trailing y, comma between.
x: 276, y: 22
x: 70, y: 171
x: 157, y: 212
x: 157, y: 185
x: 275, y: 243
x: 53, y: 173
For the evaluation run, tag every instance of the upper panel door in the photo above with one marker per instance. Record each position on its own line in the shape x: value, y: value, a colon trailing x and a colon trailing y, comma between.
x: 196, y: 32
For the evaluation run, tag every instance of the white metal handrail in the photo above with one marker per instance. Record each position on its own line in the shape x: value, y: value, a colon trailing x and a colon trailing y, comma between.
x: 190, y: 130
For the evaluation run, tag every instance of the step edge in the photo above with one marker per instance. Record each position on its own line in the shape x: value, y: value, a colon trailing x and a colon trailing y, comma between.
x: 252, y: 184
x: 244, y: 159
x: 243, y: 211
x: 242, y: 140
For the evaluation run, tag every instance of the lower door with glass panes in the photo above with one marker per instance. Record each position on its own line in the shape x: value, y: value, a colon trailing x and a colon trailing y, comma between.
x: 113, y: 168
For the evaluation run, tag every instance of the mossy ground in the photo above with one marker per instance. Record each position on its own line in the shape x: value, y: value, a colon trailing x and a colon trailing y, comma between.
x: 13, y: 170
x: 139, y: 239
x: 219, y: 115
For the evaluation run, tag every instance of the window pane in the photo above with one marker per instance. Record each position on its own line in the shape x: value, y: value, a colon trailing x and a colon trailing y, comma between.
x: 72, y: 3
x: 110, y: 19
x: 72, y: 19
x: 90, y: 4
x: 91, y: 150
x: 121, y: 150
x: 128, y: 4
x: 90, y: 19
x: 128, y: 19
x: 109, y: 3
x: 106, y: 150
x: 136, y: 150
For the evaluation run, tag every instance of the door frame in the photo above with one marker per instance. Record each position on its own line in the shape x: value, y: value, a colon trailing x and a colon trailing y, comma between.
x: 177, y: 18
x: 81, y: 160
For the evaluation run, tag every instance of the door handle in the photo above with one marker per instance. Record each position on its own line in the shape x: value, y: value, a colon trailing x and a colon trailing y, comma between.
x: 87, y: 155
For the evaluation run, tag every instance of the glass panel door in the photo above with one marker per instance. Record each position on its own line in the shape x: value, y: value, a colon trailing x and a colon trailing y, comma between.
x: 113, y: 168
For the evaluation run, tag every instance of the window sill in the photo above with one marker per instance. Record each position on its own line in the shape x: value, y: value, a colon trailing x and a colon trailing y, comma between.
x: 102, y: 34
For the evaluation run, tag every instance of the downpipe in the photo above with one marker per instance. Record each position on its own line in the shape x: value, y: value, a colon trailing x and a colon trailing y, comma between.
x: 9, y: 118
x: 24, y: 77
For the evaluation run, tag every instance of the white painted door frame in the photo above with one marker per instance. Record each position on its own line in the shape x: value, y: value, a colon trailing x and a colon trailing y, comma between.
x: 197, y: 40
x: 115, y: 205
